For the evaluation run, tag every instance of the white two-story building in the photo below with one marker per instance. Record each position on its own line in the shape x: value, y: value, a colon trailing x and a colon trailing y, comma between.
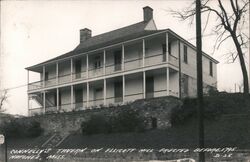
x: 120, y: 66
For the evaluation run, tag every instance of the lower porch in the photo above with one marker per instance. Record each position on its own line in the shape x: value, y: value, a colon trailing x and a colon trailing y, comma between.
x: 106, y: 92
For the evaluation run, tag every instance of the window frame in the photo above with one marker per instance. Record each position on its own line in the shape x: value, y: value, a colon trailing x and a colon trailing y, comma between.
x: 211, y: 68
x: 185, y: 54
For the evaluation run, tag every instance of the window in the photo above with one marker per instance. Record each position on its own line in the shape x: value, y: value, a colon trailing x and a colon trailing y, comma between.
x: 97, y: 62
x: 169, y: 48
x: 164, y: 48
x: 164, y: 51
x: 46, y: 76
x: 185, y: 54
x: 185, y: 85
x: 78, y: 67
x: 211, y: 68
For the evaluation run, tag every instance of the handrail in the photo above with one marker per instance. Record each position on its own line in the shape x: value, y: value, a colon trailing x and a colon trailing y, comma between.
x: 154, y: 55
x: 132, y: 60
x: 35, y: 86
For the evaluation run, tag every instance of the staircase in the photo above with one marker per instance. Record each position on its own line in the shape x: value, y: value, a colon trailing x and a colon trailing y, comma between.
x: 55, y: 140
x: 39, y: 100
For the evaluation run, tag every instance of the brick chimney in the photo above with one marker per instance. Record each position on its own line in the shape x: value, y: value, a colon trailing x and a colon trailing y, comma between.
x: 147, y: 13
x: 85, y: 34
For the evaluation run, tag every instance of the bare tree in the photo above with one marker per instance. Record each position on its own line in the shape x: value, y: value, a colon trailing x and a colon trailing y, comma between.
x: 231, y: 20
x: 3, y: 98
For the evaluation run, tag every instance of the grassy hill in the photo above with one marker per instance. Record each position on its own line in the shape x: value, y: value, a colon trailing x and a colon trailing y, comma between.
x: 227, y: 123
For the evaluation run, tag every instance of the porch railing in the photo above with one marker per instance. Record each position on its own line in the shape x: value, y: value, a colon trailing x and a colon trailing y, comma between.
x: 99, y: 103
x: 129, y: 64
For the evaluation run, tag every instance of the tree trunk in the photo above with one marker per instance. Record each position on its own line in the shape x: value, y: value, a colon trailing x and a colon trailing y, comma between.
x: 242, y: 64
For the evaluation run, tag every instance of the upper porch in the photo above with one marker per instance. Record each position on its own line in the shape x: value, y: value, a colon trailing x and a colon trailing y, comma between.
x: 145, y: 53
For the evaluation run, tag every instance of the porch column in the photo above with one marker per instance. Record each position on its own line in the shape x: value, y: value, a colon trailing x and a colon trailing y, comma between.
x: 144, y: 84
x: 43, y: 76
x: 28, y: 103
x: 28, y: 78
x: 167, y: 52
x: 87, y: 94
x: 179, y: 58
x: 44, y: 99
x: 71, y: 95
x: 28, y: 89
x: 71, y: 69
x: 57, y: 73
x: 87, y: 65
x: 123, y: 88
x: 104, y: 62
x: 57, y: 99
x: 143, y: 52
x: 123, y: 56
x: 104, y: 91
x: 167, y: 76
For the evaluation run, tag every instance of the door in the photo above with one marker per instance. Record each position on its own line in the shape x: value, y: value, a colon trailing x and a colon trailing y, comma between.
x: 149, y: 87
x: 79, y: 97
x: 98, y: 96
x: 78, y: 66
x: 118, y: 91
x: 118, y: 60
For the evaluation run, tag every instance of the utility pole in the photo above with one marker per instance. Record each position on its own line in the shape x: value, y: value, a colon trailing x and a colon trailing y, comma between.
x: 200, y: 109
x: 6, y: 149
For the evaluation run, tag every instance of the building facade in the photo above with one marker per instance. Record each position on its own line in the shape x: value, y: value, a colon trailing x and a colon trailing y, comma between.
x: 120, y: 66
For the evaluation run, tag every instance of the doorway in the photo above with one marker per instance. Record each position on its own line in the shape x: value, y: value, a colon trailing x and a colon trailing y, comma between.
x: 149, y: 87
x: 78, y: 66
x: 118, y: 91
x: 118, y: 60
x: 79, y: 97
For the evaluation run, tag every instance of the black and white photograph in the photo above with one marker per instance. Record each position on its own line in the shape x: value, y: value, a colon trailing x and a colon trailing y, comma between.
x: 124, y: 81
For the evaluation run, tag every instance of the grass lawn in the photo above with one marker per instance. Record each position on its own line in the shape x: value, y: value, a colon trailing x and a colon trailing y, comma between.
x: 231, y: 131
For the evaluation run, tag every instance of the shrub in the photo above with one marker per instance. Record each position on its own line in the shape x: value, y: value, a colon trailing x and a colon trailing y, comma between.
x: 15, y: 128
x: 129, y: 120
x: 96, y: 124
x: 214, y: 107
x: 179, y: 115
x: 33, y: 129
x: 126, y: 120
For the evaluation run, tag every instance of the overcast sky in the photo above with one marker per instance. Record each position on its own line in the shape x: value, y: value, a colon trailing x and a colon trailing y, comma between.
x: 35, y: 31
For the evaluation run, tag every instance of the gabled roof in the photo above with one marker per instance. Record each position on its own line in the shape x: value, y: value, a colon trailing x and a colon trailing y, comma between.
x: 115, y: 36
x: 112, y: 35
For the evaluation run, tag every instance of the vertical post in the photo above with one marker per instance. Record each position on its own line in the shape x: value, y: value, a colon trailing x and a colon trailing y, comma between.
x: 28, y: 102
x: 179, y: 57
x: 87, y: 65
x: 87, y: 94
x: 43, y: 76
x: 167, y: 76
x: 167, y: 52
x: 199, y: 80
x: 71, y: 69
x: 6, y: 147
x: 57, y: 99
x: 28, y: 88
x: 44, y: 102
x: 72, y: 95
x: 144, y: 84
x: 57, y: 73
x: 104, y: 91
x: 123, y: 57
x: 123, y: 88
x: 104, y: 62
x: 28, y: 77
x: 143, y: 52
